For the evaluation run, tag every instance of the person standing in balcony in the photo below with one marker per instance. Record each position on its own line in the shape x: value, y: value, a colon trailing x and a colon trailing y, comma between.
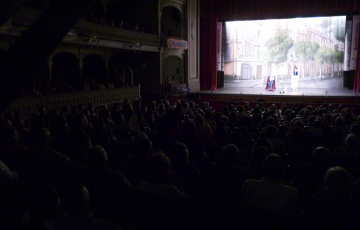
x: 121, y: 25
x: 46, y: 89
x: 111, y: 22
x: 35, y: 90
x: 137, y: 28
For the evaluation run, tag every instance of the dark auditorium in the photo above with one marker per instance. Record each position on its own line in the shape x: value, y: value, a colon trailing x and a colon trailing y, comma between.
x: 179, y: 114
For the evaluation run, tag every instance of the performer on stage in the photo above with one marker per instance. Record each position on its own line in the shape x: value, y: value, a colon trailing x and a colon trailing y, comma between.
x: 295, y: 79
x: 270, y: 83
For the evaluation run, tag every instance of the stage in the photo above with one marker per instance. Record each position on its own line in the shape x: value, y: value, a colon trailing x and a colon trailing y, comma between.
x: 317, y: 91
x: 324, y: 92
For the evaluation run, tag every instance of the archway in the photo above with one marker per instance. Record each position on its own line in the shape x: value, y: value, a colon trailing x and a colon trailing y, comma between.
x: 119, y: 69
x: 66, y: 69
x: 94, y: 69
x: 124, y: 76
x: 172, y: 65
x: 171, y: 22
x: 246, y: 71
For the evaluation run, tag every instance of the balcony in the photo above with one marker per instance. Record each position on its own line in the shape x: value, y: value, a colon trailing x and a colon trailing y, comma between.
x: 28, y: 106
x: 25, y: 17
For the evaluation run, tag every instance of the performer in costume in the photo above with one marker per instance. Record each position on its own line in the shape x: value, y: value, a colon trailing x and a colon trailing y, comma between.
x: 295, y: 79
x: 270, y: 83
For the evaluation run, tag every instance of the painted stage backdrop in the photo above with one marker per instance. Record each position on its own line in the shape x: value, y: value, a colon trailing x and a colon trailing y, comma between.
x: 307, y: 50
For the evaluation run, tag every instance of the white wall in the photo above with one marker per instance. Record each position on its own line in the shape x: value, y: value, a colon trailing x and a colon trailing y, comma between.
x: 193, y: 37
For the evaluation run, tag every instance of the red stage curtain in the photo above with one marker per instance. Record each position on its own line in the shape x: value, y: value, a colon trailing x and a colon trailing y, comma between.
x: 213, y: 10
x: 208, y: 71
x: 357, y: 71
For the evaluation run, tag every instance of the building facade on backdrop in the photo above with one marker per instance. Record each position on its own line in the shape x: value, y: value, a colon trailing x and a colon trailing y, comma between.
x: 245, y: 42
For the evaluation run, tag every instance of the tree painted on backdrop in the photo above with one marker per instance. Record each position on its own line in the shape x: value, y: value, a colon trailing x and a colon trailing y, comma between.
x: 331, y: 60
x: 334, y: 27
x: 276, y: 49
x: 335, y: 57
x: 337, y: 28
x: 320, y: 58
x: 339, y: 60
x: 305, y: 52
x: 328, y: 56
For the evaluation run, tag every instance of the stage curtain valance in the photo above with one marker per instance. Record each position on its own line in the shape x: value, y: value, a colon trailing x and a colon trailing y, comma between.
x: 213, y: 10
x: 260, y: 9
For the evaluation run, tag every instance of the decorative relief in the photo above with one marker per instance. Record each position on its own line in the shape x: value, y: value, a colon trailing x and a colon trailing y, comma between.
x: 24, y: 17
x: 29, y: 106
x: 175, y: 43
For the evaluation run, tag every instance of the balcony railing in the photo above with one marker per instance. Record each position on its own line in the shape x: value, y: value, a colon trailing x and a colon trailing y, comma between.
x: 29, y: 106
x: 84, y: 28
x: 26, y: 16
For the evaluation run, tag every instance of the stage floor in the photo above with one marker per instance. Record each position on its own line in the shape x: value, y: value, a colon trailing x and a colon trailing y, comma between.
x: 300, y: 92
x: 315, y: 87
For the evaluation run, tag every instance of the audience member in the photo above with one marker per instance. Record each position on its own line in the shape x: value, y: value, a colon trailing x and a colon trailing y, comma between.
x: 207, y: 160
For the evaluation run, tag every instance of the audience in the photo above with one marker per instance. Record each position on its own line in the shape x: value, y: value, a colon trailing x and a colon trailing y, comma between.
x: 182, y: 166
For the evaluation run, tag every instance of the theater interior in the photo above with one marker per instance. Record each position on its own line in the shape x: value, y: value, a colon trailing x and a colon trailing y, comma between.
x: 85, y: 69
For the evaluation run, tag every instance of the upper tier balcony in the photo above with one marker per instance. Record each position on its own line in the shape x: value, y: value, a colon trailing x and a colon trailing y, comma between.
x: 25, y: 17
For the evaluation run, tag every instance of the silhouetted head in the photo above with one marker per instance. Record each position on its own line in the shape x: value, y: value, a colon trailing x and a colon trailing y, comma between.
x: 158, y: 167
x: 321, y: 156
x: 352, y: 141
x: 231, y: 154
x: 338, y: 181
x: 274, y: 167
x: 97, y: 157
